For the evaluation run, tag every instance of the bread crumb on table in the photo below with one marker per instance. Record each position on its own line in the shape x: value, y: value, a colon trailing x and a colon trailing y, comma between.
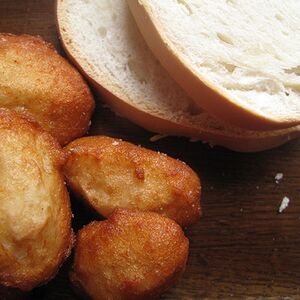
x: 158, y: 137
x: 278, y: 177
x: 284, y: 204
x: 194, y: 140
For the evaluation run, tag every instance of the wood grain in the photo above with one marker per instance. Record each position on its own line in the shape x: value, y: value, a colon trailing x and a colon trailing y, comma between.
x: 242, y: 248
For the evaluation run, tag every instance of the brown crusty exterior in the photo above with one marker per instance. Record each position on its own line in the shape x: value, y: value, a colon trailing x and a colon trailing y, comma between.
x: 132, y: 255
x: 32, y: 245
x: 37, y: 81
x: 109, y: 173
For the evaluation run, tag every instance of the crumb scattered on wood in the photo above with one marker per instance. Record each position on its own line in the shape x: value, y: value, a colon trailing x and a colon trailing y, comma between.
x: 158, y: 137
x: 284, y: 204
x: 278, y: 177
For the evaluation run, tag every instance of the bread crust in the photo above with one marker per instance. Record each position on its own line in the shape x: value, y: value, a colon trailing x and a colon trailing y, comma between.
x: 250, y: 141
x: 108, y: 173
x: 217, y: 102
x: 37, y: 81
x: 35, y: 227
x: 247, y: 142
x: 132, y: 255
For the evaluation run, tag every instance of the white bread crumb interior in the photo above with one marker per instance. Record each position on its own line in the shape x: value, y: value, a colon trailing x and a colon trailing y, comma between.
x: 249, y: 50
x: 104, y: 40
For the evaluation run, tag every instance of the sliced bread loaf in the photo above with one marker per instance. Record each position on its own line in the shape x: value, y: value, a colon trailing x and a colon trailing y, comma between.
x: 102, y: 38
x: 239, y: 60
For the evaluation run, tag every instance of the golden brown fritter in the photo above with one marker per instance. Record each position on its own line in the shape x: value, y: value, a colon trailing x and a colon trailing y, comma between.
x: 36, y: 80
x: 108, y: 173
x: 35, y: 215
x: 132, y: 255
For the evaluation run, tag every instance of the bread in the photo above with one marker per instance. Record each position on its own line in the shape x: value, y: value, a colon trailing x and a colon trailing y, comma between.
x: 102, y: 39
x: 37, y: 81
x: 108, y: 173
x: 35, y: 214
x: 132, y: 255
x: 239, y: 60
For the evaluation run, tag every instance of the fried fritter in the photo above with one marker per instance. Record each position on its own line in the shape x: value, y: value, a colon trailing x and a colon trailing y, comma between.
x: 35, y: 215
x: 39, y: 82
x: 108, y: 174
x: 132, y: 255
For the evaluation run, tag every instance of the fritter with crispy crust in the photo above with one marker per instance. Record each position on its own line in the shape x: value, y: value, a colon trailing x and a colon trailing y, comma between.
x: 36, y: 80
x: 35, y: 215
x: 133, y: 255
x: 108, y: 174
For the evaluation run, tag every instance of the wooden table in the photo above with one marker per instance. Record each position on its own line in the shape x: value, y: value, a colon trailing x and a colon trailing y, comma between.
x: 242, y: 248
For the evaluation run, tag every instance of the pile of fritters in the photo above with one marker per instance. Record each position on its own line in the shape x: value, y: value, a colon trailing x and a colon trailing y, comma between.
x: 140, y: 250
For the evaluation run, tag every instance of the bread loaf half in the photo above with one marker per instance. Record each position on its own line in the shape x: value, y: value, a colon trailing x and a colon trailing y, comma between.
x: 102, y: 38
x: 239, y: 60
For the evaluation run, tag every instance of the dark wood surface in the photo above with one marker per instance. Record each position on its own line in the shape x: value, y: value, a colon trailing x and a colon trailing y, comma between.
x: 242, y: 248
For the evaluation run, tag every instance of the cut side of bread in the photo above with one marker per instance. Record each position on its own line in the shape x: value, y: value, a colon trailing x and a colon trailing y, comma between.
x: 239, y: 60
x: 102, y: 39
